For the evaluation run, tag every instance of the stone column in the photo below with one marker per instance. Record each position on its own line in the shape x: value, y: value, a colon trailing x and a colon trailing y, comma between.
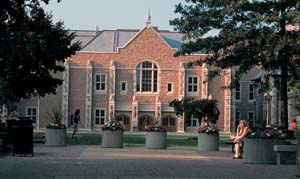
x: 158, y: 109
x: 180, y: 124
x: 227, y: 105
x: 135, y: 115
x: 204, y: 82
x: 181, y: 80
x: 88, y: 95
x: 65, y: 93
x: 233, y: 106
x: 111, y: 110
x: 274, y: 104
x: 112, y: 89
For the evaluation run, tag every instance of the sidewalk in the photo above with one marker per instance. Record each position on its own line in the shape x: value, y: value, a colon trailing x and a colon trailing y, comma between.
x: 91, y: 162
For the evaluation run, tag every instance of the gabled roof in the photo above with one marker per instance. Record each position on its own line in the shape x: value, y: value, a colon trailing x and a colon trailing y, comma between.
x: 111, y: 40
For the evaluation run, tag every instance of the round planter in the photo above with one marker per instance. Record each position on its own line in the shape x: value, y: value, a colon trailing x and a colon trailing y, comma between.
x: 208, y: 142
x: 260, y: 151
x: 56, y: 137
x: 156, y: 140
x: 112, y: 138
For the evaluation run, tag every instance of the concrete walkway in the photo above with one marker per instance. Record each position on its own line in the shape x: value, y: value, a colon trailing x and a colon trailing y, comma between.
x: 93, y: 162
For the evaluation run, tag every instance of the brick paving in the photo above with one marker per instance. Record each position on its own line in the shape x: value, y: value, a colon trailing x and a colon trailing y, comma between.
x: 91, y: 162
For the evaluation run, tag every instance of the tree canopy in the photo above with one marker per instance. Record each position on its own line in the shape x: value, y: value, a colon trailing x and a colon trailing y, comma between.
x: 32, y: 49
x: 201, y: 109
x: 252, y: 33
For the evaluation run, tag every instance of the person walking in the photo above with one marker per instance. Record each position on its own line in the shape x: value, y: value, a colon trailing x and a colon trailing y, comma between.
x: 75, y: 119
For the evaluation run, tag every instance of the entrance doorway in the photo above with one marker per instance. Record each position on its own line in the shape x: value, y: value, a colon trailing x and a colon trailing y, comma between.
x: 144, y: 121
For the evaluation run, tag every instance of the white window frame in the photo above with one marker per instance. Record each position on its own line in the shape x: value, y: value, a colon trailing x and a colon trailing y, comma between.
x: 170, y: 92
x: 104, y: 117
x: 140, y: 69
x: 249, y: 92
x: 105, y: 83
x: 238, y: 91
x: 192, y: 93
x: 36, y: 113
x: 123, y: 92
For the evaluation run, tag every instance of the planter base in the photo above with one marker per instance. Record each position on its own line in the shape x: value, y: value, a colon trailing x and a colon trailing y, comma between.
x: 112, y: 139
x: 208, y: 142
x: 260, y: 151
x: 156, y: 140
x: 56, y: 137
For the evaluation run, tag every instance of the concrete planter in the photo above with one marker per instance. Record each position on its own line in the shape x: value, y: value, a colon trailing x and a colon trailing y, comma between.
x: 112, y: 139
x: 208, y: 142
x: 298, y: 160
x: 260, y: 151
x: 156, y: 140
x: 56, y: 137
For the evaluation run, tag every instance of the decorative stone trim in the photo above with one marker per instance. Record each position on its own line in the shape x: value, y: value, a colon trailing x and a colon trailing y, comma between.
x: 204, y: 82
x: 135, y: 114
x: 158, y: 109
x: 182, y: 80
x: 227, y: 106
x: 88, y: 99
x: 65, y: 93
x: 180, y: 124
x: 112, y: 89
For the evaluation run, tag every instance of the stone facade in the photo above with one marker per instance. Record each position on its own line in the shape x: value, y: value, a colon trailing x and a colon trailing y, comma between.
x: 135, y: 81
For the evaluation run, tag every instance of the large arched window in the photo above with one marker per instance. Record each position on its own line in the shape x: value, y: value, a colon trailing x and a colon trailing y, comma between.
x: 146, y: 77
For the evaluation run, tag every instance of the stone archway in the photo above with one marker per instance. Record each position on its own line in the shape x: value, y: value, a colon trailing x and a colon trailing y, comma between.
x: 170, y: 123
x: 125, y: 119
x: 145, y: 120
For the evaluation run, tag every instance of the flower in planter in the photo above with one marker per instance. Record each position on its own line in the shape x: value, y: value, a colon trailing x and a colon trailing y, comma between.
x: 55, y: 119
x: 155, y: 128
x: 113, y: 125
x: 211, y: 130
x: 267, y: 133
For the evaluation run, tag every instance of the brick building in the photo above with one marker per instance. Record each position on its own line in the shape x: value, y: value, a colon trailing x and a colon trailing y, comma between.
x: 132, y: 75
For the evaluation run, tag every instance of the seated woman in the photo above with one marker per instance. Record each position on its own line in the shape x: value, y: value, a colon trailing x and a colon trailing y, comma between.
x: 241, y: 132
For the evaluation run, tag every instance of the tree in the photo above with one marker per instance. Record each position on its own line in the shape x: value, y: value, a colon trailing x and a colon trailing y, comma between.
x: 262, y: 33
x: 201, y: 109
x: 32, y: 50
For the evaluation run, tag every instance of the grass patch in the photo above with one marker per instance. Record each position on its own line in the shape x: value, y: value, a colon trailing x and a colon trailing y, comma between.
x: 135, y: 139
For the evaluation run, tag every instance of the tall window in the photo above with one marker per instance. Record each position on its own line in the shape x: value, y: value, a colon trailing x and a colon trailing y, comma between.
x: 192, y: 84
x: 251, y: 115
x: 238, y: 92
x: 146, y: 77
x: 251, y: 92
x: 123, y: 87
x: 31, y: 113
x: 169, y: 87
x: 100, y: 115
x: 237, y: 115
x: 100, y: 82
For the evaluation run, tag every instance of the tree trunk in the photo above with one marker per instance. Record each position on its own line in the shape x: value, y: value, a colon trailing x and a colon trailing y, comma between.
x: 284, y: 96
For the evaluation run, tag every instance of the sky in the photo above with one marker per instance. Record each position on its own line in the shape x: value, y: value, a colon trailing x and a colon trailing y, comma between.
x: 113, y: 14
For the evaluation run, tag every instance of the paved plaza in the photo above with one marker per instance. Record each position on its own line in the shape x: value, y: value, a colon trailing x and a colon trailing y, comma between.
x: 91, y: 162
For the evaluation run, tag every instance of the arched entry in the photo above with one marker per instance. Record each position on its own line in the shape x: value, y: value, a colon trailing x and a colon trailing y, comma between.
x: 144, y: 121
x: 169, y: 122
x: 125, y: 119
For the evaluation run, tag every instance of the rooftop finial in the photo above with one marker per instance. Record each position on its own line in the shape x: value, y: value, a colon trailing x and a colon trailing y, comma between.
x: 148, y: 19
